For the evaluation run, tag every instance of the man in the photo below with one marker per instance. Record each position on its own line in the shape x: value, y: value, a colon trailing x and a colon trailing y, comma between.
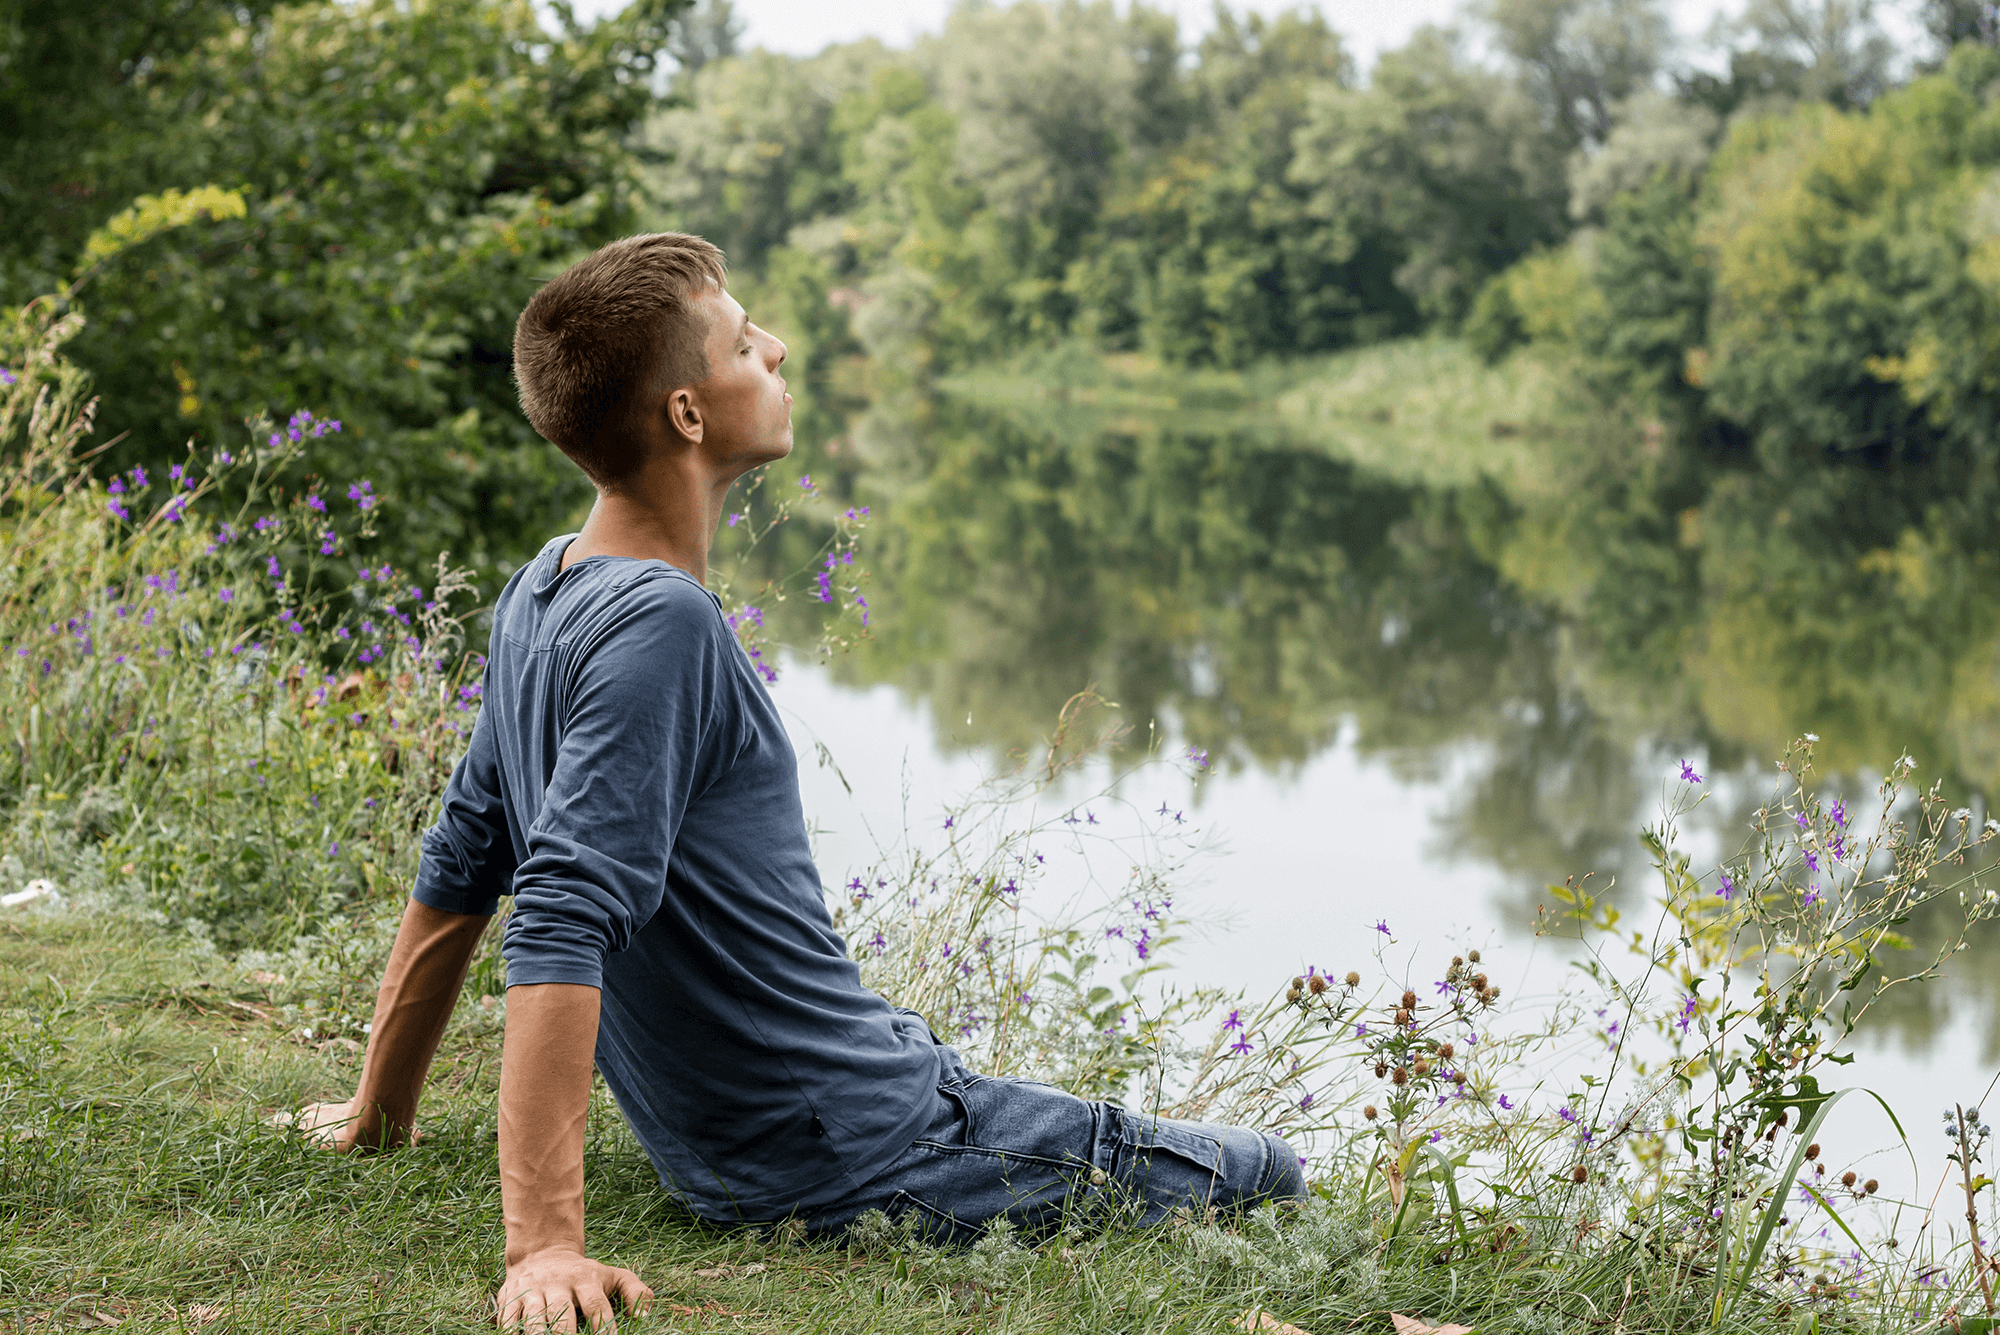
x: 630, y: 784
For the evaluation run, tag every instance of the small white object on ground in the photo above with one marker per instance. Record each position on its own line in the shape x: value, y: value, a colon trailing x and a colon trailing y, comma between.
x: 39, y: 888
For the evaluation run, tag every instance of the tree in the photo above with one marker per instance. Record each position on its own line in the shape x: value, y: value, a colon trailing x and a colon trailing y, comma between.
x: 1837, y: 52
x: 74, y: 79
x: 413, y: 172
x: 1581, y: 58
x: 1444, y: 156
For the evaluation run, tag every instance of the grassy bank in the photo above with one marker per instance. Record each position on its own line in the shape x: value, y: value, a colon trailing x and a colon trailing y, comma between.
x: 141, y: 1183
x: 1421, y: 410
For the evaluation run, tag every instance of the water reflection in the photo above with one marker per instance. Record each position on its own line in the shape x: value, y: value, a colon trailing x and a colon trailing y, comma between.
x: 1251, y: 591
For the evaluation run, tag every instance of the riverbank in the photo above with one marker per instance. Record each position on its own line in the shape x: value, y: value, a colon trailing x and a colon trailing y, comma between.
x: 144, y: 1187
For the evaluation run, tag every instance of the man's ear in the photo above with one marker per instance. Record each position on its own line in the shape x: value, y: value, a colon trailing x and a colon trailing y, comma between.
x: 683, y: 416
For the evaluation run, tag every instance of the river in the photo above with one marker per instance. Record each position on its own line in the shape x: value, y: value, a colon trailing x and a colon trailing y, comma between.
x: 1421, y: 701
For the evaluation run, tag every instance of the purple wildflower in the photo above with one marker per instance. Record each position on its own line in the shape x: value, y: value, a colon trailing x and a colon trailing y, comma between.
x: 1687, y: 773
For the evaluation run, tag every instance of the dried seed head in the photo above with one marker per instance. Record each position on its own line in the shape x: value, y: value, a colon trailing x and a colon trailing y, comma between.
x: 1299, y: 982
x: 1403, y: 1017
x: 1847, y: 1178
x: 1472, y: 955
x: 1479, y: 982
x: 1399, y: 1076
x: 1316, y: 985
x: 1381, y: 1069
x: 1353, y: 978
x: 1369, y: 1112
x: 1784, y: 1118
x: 1492, y: 995
x: 1445, y: 1051
x: 1409, y: 1001
x: 1579, y: 1174
x: 1457, y: 960
x: 1421, y: 1066
x: 1812, y: 1150
x: 1458, y: 1077
x: 1870, y: 1187
x: 1293, y: 994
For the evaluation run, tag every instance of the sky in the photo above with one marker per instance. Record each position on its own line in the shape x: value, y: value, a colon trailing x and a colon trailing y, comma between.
x: 1369, y: 27
x: 804, y: 27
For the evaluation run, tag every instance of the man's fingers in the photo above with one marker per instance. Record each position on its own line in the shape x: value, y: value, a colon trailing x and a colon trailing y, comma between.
x: 631, y: 1290
x: 594, y: 1308
x: 525, y: 1311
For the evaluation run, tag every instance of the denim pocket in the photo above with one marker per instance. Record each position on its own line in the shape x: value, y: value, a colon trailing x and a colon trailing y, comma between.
x: 1172, y: 1163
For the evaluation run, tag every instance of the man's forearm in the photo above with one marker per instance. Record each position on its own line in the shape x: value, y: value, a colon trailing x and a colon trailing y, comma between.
x: 544, y: 1101
x: 419, y: 988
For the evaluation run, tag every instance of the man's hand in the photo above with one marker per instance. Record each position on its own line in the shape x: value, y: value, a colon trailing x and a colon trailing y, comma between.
x: 549, y: 1290
x: 421, y: 984
x: 348, y: 1126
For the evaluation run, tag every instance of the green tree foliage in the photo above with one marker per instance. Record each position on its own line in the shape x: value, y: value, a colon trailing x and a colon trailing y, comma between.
x: 412, y: 172
x: 73, y: 75
x: 1581, y: 58
x: 1808, y: 313
x: 1043, y: 170
x: 1445, y: 156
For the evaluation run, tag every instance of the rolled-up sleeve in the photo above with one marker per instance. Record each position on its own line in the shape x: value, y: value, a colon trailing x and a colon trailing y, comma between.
x: 636, y: 699
x: 468, y: 858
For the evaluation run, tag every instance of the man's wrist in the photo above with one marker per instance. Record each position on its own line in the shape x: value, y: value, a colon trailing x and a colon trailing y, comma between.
x: 379, y: 1120
x: 524, y: 1252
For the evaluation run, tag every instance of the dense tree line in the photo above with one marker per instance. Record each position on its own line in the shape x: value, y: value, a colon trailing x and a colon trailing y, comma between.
x: 1036, y: 172
x: 1044, y: 170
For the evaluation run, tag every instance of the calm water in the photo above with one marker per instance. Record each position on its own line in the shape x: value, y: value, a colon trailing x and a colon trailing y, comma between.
x: 1413, y: 717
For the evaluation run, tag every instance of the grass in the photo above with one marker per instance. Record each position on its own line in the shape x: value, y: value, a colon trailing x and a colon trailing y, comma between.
x: 1425, y: 411
x: 142, y: 1183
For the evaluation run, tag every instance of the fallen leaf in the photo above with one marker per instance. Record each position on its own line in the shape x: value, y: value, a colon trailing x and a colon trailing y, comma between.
x: 715, y: 1272
x: 265, y: 978
x: 98, y: 1320
x: 755, y: 1268
x: 711, y: 1308
x: 202, y: 1313
x: 1258, y: 1319
x: 1409, y: 1325
x: 344, y: 1044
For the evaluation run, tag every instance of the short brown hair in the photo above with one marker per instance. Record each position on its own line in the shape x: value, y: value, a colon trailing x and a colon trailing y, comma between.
x: 616, y: 323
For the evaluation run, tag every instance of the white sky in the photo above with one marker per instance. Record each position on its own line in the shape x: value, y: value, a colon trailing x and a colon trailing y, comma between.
x: 803, y: 27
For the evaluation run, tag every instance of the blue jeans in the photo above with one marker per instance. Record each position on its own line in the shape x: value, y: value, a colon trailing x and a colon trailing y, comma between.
x: 1002, y: 1147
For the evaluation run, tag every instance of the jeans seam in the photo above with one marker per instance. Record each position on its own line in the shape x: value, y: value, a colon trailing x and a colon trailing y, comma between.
x: 1006, y: 1156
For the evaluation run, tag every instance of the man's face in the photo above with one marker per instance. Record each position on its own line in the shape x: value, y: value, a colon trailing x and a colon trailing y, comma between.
x: 747, y: 413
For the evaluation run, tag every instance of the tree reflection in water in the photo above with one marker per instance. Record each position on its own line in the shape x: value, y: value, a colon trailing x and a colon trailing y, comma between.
x: 1250, y: 590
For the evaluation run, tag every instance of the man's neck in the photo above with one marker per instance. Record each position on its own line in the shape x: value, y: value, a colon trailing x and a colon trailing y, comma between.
x: 666, y: 514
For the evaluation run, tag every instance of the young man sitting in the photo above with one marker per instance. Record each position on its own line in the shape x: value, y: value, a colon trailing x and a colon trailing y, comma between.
x: 630, y: 784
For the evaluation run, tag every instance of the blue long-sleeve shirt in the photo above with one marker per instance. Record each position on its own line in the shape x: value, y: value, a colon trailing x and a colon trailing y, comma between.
x: 630, y: 783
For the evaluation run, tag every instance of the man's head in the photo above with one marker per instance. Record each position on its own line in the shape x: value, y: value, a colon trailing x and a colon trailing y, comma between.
x: 638, y: 347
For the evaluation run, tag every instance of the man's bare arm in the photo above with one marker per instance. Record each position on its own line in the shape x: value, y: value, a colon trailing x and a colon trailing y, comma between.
x: 426, y: 970
x: 544, y: 1102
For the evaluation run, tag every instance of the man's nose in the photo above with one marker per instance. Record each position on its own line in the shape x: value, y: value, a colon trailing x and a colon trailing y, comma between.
x: 778, y: 346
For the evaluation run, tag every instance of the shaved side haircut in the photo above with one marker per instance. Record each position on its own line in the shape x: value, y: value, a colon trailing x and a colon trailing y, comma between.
x: 608, y: 335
